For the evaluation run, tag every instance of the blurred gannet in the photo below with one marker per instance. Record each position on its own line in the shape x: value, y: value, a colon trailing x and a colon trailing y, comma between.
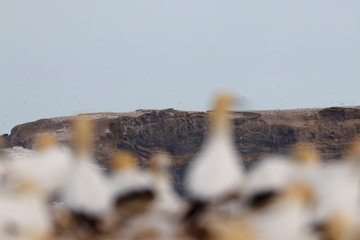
x: 286, y: 217
x: 216, y: 171
x: 87, y: 192
x: 162, y: 220
x: 24, y: 213
x: 277, y: 201
x: 336, y: 212
x: 47, y: 166
x: 281, y: 218
x: 272, y: 175
x: 132, y: 188
x: 216, y: 175
x: 307, y: 161
x: 165, y: 199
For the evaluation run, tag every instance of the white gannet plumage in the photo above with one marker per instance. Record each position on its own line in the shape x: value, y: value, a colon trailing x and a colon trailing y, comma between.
x: 47, y: 166
x: 166, y: 199
x: 276, y: 196
x: 336, y: 211
x: 216, y: 170
x: 126, y: 177
x: 24, y: 213
x: 87, y: 191
x: 273, y: 173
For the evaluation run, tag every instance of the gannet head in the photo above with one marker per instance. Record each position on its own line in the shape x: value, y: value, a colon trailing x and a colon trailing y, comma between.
x: 160, y: 163
x: 306, y: 154
x: 44, y: 141
x: 123, y: 160
x: 219, y: 119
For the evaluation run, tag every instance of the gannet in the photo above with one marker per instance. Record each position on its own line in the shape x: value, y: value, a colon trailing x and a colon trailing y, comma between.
x: 216, y: 175
x: 132, y: 188
x: 87, y: 192
x: 267, y: 180
x: 24, y: 213
x: 52, y: 162
x: 285, y: 217
x: 47, y: 166
x: 277, y: 200
x: 216, y: 170
x: 166, y: 198
x: 336, y: 212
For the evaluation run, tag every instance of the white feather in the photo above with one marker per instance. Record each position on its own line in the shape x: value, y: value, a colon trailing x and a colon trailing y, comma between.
x: 272, y: 173
x: 216, y: 170
x: 336, y: 190
x: 47, y: 169
x: 87, y: 190
x: 123, y: 182
x: 24, y: 217
x: 281, y: 221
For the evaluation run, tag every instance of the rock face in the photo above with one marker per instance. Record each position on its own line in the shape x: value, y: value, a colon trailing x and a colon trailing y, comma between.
x: 181, y: 133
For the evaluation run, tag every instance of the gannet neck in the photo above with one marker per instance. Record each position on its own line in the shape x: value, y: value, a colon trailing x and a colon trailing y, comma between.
x: 82, y: 138
x: 216, y: 171
x: 219, y: 118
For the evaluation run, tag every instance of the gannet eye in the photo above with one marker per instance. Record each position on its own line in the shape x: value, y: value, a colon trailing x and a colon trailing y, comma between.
x: 261, y: 199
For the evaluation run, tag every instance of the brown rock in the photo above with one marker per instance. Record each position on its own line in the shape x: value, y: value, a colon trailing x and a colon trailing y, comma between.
x: 181, y: 133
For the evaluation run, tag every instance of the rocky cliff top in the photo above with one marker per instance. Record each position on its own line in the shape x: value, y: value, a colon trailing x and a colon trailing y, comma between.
x: 181, y: 133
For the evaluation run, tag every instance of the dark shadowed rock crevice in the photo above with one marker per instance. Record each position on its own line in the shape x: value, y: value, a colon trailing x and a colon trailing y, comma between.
x: 181, y: 133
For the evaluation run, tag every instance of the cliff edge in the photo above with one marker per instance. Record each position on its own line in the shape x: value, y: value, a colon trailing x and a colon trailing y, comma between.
x: 181, y: 133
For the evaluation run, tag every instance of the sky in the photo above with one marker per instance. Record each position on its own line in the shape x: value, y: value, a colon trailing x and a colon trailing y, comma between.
x: 60, y: 58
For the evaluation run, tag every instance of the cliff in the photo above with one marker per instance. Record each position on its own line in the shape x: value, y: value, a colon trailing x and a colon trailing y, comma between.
x: 181, y: 133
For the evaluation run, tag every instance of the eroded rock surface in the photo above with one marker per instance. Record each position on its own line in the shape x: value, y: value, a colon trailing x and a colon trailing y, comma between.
x: 181, y: 133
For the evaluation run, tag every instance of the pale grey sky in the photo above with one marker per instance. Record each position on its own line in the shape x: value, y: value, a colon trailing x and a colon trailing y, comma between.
x: 65, y: 57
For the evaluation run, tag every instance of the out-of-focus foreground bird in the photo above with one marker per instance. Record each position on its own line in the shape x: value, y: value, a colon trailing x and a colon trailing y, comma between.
x: 216, y: 175
x: 216, y: 171
x: 87, y: 193
x: 24, y: 213
x: 133, y: 188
